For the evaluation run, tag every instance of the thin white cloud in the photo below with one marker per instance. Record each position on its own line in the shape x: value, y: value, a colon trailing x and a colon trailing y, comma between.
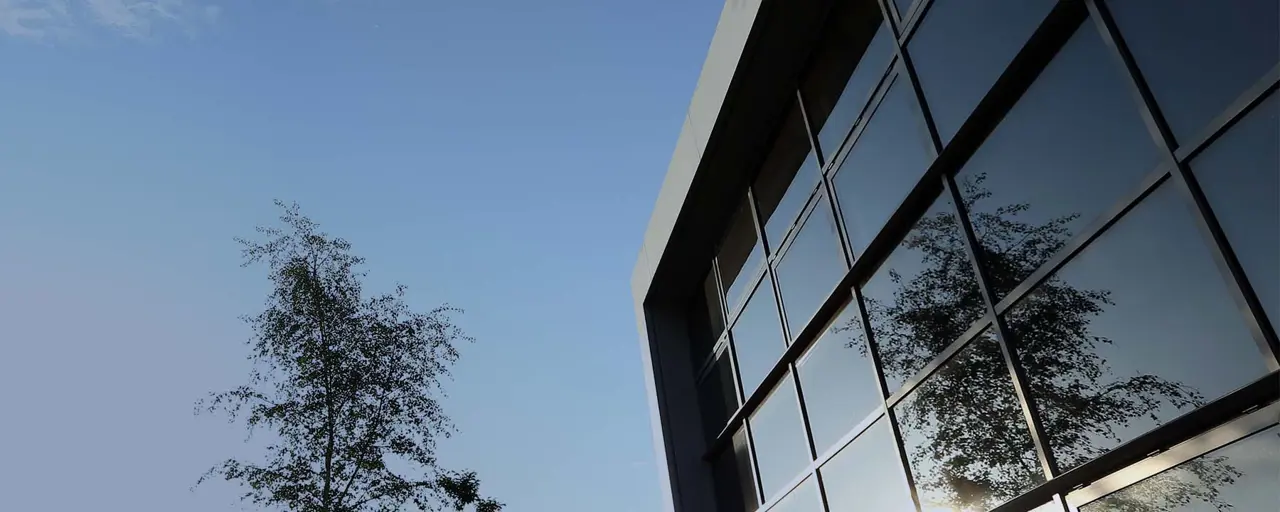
x: 40, y: 19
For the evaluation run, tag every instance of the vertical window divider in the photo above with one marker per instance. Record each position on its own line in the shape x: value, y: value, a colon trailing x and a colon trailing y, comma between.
x: 1241, y: 290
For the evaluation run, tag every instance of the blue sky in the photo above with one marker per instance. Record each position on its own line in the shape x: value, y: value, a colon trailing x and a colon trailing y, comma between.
x: 501, y: 156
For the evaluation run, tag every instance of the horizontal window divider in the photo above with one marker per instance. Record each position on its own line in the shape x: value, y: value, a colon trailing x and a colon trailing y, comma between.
x: 854, y: 433
x: 982, y: 324
x: 859, y: 125
x: 1049, y: 37
x: 1086, y: 236
x: 756, y: 277
x: 839, y: 295
x: 722, y: 345
x: 1262, y: 391
x: 1257, y: 93
x: 1223, y: 435
x: 796, y: 224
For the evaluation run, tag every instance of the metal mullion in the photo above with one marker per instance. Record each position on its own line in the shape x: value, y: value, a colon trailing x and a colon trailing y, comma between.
x: 911, y: 21
x: 1021, y: 383
x: 1245, y: 103
x: 1238, y: 283
x: 1214, y: 439
x: 864, y: 117
x: 1246, y: 399
x: 809, y: 132
x: 755, y: 463
x: 889, y: 416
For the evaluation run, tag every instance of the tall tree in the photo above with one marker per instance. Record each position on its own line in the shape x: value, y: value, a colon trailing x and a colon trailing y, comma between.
x: 348, y: 385
x: 972, y: 447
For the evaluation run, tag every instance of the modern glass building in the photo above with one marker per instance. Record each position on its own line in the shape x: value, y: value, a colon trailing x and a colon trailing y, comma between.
x: 970, y: 255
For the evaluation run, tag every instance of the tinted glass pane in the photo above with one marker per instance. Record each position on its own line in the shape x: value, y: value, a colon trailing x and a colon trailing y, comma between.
x: 741, y: 256
x: 1066, y: 153
x: 962, y: 46
x: 782, y: 450
x: 757, y: 338
x: 803, y: 499
x: 857, y: 91
x: 706, y: 320
x: 924, y: 296
x: 867, y: 474
x: 717, y: 396
x: 1195, y: 78
x: 1136, y: 330
x: 1240, y: 476
x: 886, y: 161
x: 964, y: 434
x: 734, y: 479
x: 838, y: 379
x: 786, y: 178
x: 783, y: 215
x: 811, y: 268
x: 1240, y: 174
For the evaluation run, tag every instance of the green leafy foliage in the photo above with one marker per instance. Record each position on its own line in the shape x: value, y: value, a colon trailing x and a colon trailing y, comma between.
x: 347, y: 383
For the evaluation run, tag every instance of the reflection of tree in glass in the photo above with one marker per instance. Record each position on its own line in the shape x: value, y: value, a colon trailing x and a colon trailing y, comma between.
x: 977, y: 453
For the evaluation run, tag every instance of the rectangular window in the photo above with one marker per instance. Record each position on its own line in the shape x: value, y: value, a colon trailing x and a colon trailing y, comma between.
x: 757, y: 338
x: 963, y: 430
x: 1135, y: 331
x: 777, y: 431
x: 867, y: 474
x: 811, y: 268
x: 838, y: 379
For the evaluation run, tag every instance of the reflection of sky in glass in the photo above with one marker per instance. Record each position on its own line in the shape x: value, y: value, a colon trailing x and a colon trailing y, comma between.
x: 798, y: 191
x: 782, y: 449
x: 1251, y: 465
x: 924, y: 296
x: 856, y: 92
x: 757, y: 337
x: 965, y: 436
x: 1070, y: 148
x: 867, y: 475
x: 1140, y: 320
x: 1240, y: 177
x: 962, y: 46
x: 811, y: 268
x: 885, y: 162
x: 1198, y: 56
x: 803, y: 499
x: 838, y: 380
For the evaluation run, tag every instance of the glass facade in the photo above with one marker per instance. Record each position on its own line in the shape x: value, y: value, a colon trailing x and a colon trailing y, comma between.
x: 1016, y: 241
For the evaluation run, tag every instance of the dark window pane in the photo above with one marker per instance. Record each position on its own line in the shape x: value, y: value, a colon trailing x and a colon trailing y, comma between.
x: 786, y: 178
x: 875, y: 53
x: 924, y: 296
x: 962, y: 46
x: 803, y: 499
x: 811, y: 268
x: 706, y: 320
x: 838, y: 379
x: 1240, y: 476
x: 757, y: 338
x: 886, y: 161
x: 1240, y: 174
x: 801, y: 188
x: 1136, y: 330
x: 740, y: 256
x: 717, y: 396
x: 782, y: 450
x: 1066, y: 153
x: 964, y: 434
x: 1195, y: 78
x: 735, y: 481
x: 867, y: 474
